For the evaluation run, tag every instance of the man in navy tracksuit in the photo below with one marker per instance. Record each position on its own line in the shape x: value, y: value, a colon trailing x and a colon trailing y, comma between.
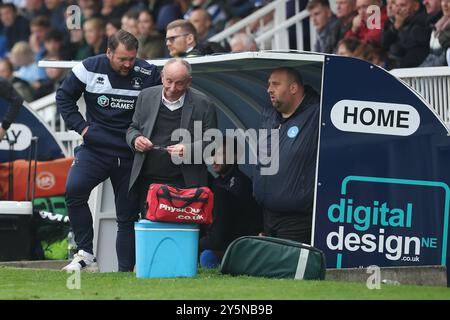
x: 287, y: 196
x: 110, y: 84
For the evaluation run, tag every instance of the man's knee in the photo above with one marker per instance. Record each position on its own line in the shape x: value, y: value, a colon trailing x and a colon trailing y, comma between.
x: 76, y: 192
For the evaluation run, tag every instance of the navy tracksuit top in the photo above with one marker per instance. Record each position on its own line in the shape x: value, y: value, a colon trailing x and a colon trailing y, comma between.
x: 110, y: 102
x: 291, y: 189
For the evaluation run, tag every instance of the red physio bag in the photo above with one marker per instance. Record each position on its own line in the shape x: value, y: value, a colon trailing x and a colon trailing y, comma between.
x: 170, y: 204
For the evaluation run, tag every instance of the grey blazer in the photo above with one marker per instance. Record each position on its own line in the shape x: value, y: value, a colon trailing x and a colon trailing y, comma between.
x: 196, y: 107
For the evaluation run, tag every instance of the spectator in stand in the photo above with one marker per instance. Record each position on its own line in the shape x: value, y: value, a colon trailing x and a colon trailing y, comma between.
x: 113, y: 9
x: 54, y: 46
x: 57, y: 16
x: 364, y: 28
x: 439, y: 40
x: 181, y: 41
x: 391, y: 9
x: 91, y: 9
x: 345, y: 12
x: 324, y: 21
x: 243, y: 42
x: 112, y: 26
x: 215, y: 10
x: 130, y: 22
x: 94, y: 34
x: 347, y: 47
x: 372, y: 52
x: 168, y: 12
x: 151, y: 42
x: 52, y: 83
x: 39, y: 27
x: 434, y: 11
x: 77, y: 41
x: 22, y: 58
x: 34, y: 8
x: 407, y: 40
x: 15, y: 27
x: 202, y: 22
x: 235, y: 212
x: 21, y: 86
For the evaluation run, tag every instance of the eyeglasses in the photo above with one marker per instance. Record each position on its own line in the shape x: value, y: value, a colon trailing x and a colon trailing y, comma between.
x: 172, y: 39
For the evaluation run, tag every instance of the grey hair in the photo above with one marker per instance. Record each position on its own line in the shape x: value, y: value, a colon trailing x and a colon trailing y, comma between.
x: 246, y: 39
x: 178, y: 60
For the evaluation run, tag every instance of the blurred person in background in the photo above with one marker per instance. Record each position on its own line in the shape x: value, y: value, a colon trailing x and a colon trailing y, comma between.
x: 360, y: 28
x: 345, y: 12
x: 94, y: 34
x: 39, y: 26
x: 15, y: 27
x: 112, y: 26
x: 22, y: 58
x: 202, y: 22
x: 21, y: 86
x: 346, y: 47
x: 243, y: 42
x: 439, y: 40
x: 151, y: 42
x: 324, y: 21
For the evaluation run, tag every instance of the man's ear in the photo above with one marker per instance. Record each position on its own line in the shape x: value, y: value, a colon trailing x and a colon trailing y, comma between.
x: 109, y: 53
x: 293, y: 87
x: 190, y: 38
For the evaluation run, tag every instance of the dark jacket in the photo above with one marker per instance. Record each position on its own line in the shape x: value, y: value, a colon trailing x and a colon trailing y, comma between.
x: 8, y: 93
x: 196, y: 107
x: 235, y: 212
x: 291, y: 188
x: 408, y: 46
x: 19, y: 31
x: 110, y: 102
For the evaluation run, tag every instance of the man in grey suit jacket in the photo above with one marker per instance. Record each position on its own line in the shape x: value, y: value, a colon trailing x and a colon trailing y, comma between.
x: 160, y: 111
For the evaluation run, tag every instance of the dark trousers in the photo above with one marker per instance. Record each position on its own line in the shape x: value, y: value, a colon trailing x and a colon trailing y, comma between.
x: 292, y: 226
x: 89, y: 170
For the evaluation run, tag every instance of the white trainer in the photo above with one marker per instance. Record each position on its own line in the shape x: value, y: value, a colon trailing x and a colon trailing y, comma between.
x: 82, y: 261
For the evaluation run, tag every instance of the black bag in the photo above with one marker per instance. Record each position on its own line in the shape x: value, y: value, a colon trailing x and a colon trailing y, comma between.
x: 273, y: 258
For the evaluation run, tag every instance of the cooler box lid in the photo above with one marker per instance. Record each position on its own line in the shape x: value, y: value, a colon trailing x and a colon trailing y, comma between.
x: 16, y: 207
x: 147, y: 224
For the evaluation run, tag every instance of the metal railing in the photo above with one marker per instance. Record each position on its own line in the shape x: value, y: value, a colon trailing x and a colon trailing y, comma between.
x: 432, y: 83
x: 275, y: 34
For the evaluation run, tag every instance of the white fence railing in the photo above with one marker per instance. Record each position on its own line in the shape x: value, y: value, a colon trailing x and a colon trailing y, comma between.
x: 271, y: 34
x: 433, y: 84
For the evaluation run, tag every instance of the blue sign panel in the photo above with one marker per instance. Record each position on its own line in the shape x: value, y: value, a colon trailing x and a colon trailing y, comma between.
x: 26, y: 126
x: 383, y: 184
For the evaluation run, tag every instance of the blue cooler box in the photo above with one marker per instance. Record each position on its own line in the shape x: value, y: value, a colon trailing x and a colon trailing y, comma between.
x: 165, y: 250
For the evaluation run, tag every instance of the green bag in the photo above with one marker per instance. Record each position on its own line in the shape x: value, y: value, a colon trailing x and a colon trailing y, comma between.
x: 273, y: 258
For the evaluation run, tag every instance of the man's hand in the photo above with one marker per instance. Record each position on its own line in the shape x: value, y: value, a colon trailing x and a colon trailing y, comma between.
x: 356, y: 23
x: 84, y: 131
x: 2, y: 133
x: 142, y: 144
x: 176, y: 149
x: 400, y: 16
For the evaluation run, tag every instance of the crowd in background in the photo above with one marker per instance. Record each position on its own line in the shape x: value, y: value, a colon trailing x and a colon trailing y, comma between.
x: 408, y: 33
x: 396, y: 34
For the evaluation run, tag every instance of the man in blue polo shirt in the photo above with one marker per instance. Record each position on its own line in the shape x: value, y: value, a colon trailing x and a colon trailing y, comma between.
x: 110, y: 83
x: 287, y: 196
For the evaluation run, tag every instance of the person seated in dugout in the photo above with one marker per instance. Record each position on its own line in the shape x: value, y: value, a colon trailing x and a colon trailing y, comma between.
x: 235, y: 212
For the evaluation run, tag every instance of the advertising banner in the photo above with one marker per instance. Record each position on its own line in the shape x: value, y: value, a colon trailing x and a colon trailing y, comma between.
x: 383, y: 180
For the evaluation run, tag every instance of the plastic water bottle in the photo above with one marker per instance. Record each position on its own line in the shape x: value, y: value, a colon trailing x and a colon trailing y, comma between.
x: 393, y: 282
x: 71, y: 246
